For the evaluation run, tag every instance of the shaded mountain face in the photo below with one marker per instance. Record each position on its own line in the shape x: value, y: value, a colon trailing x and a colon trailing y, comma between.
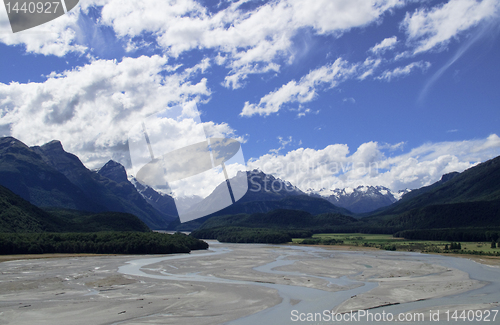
x: 425, y: 189
x: 478, y: 183
x: 281, y: 219
x: 467, y: 199
x: 48, y: 176
x: 25, y: 172
x: 265, y: 193
x: 18, y: 215
x: 114, y: 171
x: 261, y: 187
x: 162, y: 202
x: 266, y: 187
x: 361, y: 199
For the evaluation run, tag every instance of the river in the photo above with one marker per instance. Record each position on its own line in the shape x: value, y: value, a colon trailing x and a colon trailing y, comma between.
x: 299, y: 299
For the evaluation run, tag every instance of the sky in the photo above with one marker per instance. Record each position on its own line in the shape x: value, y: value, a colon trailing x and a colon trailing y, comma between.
x: 325, y: 94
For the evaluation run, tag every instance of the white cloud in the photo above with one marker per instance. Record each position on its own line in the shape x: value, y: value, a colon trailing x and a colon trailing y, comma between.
x: 251, y: 41
x: 368, y: 67
x: 385, y: 45
x: 334, y: 166
x: 283, y: 144
x: 91, y: 108
x: 303, y: 91
x: 433, y: 28
x: 57, y: 37
x: 404, y: 71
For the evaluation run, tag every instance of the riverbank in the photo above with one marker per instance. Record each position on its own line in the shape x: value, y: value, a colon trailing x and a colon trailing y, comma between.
x: 4, y: 258
x: 229, y: 283
x: 483, y: 259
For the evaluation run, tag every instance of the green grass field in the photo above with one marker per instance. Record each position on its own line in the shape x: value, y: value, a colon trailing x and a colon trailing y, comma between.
x: 390, y: 243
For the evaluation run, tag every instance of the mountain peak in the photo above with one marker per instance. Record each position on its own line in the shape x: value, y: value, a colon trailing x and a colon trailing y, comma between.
x: 447, y: 177
x: 7, y: 142
x: 360, y: 199
x: 54, y: 146
x: 114, y: 171
x: 53, y: 143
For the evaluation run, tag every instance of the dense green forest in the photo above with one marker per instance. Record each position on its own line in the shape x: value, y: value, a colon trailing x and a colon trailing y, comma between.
x: 81, y: 221
x: 99, y: 243
x: 452, y: 234
x: 19, y: 215
x: 250, y: 235
x: 281, y: 219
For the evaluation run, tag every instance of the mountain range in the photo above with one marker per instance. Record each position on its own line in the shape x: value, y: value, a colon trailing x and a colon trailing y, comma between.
x: 361, y: 199
x: 265, y: 193
x: 470, y: 198
x: 18, y: 215
x: 460, y: 206
x: 50, y: 178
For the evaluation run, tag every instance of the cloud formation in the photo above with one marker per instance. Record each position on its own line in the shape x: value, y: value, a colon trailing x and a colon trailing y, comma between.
x: 404, y: 71
x: 334, y: 166
x: 435, y: 27
x: 91, y: 108
x: 57, y: 37
x: 303, y: 91
x: 385, y: 45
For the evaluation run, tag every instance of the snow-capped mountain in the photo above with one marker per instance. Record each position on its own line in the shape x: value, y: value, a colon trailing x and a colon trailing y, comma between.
x: 360, y: 199
x: 164, y: 203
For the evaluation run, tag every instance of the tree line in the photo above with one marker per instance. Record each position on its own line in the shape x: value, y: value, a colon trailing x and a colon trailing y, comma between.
x: 450, y: 234
x: 99, y: 243
x: 250, y: 235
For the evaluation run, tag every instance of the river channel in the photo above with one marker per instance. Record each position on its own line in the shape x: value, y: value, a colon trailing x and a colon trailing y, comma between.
x: 300, y: 299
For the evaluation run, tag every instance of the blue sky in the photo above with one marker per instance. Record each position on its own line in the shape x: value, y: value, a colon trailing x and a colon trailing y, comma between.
x: 394, y: 92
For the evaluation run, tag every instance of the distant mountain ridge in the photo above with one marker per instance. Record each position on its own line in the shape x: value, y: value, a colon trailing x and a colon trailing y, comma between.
x: 18, y: 215
x: 116, y: 195
x: 467, y: 199
x: 461, y: 206
x: 265, y: 193
x: 280, y: 219
x: 478, y: 183
x: 48, y: 176
x: 361, y: 199
x: 24, y: 171
x: 161, y: 202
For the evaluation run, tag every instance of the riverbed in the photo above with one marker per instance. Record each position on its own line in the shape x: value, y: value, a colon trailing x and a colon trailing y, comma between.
x: 247, y: 284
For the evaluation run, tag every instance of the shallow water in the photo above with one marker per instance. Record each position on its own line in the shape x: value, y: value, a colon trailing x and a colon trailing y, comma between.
x: 317, y: 301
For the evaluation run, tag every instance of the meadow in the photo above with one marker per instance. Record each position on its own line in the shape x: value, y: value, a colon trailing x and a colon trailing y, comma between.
x: 388, y: 242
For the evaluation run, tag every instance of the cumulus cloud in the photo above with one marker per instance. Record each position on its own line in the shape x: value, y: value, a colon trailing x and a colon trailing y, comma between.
x: 334, y: 166
x: 433, y: 28
x: 57, y: 37
x: 252, y: 40
x: 91, y: 108
x: 404, y: 71
x: 303, y: 91
x: 385, y: 45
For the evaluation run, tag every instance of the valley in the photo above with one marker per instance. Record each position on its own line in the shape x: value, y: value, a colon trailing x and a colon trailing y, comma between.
x: 241, y: 284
